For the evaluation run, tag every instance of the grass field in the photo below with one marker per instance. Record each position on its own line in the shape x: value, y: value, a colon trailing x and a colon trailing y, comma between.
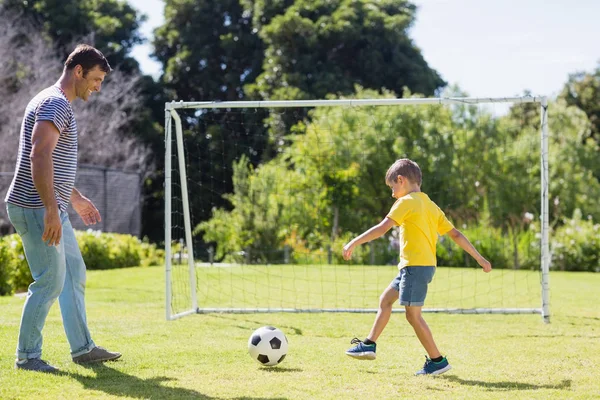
x: 204, y: 356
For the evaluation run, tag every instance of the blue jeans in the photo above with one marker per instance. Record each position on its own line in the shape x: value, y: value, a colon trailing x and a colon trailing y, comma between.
x: 58, y: 272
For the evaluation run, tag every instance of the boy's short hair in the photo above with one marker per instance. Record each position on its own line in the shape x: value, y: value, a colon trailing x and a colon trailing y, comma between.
x: 405, y: 167
x: 88, y: 57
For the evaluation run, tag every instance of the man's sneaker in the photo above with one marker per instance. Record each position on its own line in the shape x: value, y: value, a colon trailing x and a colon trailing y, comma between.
x: 36, y: 364
x: 362, y: 351
x: 434, y: 368
x: 98, y: 354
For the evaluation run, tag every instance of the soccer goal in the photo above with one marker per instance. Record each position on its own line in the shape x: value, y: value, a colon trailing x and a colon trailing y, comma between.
x: 260, y: 197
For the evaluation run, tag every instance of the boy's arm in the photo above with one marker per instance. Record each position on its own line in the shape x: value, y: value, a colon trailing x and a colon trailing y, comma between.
x: 376, y: 231
x: 464, y: 243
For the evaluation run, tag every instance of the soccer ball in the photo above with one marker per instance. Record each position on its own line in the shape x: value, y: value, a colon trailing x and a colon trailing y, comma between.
x: 268, y: 346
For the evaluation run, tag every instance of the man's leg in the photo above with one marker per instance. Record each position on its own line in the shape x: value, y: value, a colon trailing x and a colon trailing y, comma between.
x: 72, y: 297
x: 47, y: 266
x: 72, y: 305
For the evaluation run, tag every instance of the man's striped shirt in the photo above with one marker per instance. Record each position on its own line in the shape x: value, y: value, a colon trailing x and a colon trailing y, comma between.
x: 49, y: 105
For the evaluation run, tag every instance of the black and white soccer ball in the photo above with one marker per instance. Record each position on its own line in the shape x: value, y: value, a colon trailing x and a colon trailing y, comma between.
x: 268, y: 346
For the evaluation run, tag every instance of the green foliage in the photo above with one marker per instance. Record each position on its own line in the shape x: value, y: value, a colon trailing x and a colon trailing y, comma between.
x: 114, y: 250
x: 216, y: 50
x: 5, y: 271
x: 108, y: 250
x: 515, y: 250
x: 332, y: 164
x: 208, y: 49
x: 113, y: 24
x: 576, y: 245
x: 99, y: 251
x: 583, y: 91
x: 17, y: 273
x: 314, y: 48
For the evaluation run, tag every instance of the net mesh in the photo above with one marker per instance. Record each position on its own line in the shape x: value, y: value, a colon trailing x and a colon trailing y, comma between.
x: 275, y: 193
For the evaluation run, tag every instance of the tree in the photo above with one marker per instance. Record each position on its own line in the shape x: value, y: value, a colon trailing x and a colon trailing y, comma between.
x: 110, y: 25
x: 318, y: 47
x: 32, y: 65
x: 208, y: 49
x: 583, y: 91
x: 212, y: 51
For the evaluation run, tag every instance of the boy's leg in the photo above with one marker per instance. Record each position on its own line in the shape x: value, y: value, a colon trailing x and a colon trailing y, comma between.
x: 364, y: 351
x: 47, y: 266
x: 413, y: 290
x: 386, y: 302
x: 415, y: 318
x: 72, y: 297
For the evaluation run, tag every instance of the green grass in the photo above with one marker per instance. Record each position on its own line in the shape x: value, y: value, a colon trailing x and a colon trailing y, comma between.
x: 204, y: 356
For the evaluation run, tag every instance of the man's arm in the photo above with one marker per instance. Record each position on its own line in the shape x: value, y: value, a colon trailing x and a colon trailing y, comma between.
x: 43, y: 142
x: 373, y: 233
x: 464, y: 243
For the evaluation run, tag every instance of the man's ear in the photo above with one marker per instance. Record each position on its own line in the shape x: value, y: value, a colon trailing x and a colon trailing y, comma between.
x: 78, y: 71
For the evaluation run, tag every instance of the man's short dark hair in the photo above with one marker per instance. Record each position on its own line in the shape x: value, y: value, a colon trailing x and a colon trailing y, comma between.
x: 88, y: 57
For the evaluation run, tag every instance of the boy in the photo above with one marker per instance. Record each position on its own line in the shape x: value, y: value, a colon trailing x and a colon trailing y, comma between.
x: 420, y: 221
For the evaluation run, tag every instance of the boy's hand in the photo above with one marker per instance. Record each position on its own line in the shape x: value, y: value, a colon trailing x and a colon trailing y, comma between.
x: 485, y: 264
x: 347, y: 252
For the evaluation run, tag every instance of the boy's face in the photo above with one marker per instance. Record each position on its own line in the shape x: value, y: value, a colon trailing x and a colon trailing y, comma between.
x: 398, y: 187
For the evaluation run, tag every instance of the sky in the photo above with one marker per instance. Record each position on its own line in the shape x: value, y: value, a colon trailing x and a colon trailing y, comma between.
x: 489, y: 48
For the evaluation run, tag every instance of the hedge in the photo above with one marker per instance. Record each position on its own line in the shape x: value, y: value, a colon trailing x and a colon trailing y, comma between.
x: 99, y: 251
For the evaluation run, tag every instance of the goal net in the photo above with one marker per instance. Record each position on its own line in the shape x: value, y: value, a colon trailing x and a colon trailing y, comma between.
x: 260, y: 198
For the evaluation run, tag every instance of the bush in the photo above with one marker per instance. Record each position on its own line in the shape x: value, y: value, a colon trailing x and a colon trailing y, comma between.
x: 5, y: 271
x: 99, y: 251
x: 18, y: 274
x: 576, y: 245
x: 108, y: 250
x: 515, y: 249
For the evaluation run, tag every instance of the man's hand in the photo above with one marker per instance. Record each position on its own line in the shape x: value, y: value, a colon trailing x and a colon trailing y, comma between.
x: 86, y: 210
x: 485, y: 264
x: 52, y: 228
x: 347, y: 252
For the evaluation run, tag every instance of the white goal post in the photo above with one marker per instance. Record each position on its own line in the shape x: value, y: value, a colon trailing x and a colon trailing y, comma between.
x: 187, y: 261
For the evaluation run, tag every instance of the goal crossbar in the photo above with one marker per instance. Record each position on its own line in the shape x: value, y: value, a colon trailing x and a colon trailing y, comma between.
x: 174, y: 105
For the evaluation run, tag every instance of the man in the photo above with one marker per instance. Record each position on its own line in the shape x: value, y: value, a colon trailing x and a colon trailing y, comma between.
x: 37, y: 200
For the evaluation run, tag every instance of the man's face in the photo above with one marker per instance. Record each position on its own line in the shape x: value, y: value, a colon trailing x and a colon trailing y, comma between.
x: 91, y: 82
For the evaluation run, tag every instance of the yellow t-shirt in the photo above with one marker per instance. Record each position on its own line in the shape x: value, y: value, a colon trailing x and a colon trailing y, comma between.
x: 420, y: 221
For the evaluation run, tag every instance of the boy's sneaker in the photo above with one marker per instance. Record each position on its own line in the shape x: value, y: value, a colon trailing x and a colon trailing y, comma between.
x: 434, y: 368
x: 36, y: 364
x: 362, y: 351
x: 98, y: 354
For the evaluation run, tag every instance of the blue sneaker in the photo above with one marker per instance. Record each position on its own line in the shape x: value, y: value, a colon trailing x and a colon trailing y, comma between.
x: 433, y: 368
x: 362, y: 351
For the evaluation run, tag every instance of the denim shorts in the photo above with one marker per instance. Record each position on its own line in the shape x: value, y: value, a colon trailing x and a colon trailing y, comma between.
x: 412, y: 283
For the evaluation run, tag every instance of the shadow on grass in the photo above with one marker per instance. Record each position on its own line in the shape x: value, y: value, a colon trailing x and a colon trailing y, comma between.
x: 554, y: 336
x: 505, y: 386
x: 257, y: 324
x: 279, y: 370
x: 119, y: 384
